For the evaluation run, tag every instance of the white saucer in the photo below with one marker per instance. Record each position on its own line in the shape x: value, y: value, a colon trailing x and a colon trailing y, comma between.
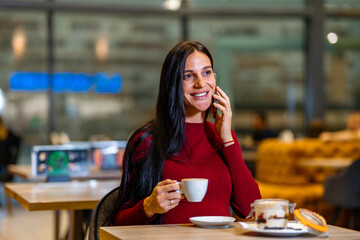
x: 294, y: 229
x: 212, y: 221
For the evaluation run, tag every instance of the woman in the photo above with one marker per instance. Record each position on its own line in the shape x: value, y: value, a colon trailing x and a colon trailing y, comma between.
x: 179, y: 143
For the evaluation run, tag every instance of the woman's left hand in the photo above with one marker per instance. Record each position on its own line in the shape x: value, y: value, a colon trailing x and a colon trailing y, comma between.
x: 223, y: 122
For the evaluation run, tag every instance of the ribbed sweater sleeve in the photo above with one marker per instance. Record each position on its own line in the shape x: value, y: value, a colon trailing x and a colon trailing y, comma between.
x: 245, y: 189
x: 133, y: 215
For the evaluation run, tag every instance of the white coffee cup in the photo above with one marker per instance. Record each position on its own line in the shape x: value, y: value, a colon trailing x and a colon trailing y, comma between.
x: 193, y: 188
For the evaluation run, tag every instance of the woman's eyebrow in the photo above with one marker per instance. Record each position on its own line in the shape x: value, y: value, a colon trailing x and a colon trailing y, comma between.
x: 206, y: 67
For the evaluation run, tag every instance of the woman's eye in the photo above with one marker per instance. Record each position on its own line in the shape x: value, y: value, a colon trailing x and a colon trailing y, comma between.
x: 188, y: 76
x: 207, y: 73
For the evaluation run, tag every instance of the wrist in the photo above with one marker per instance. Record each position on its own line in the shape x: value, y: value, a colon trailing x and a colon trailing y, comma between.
x: 147, y: 209
x: 228, y: 143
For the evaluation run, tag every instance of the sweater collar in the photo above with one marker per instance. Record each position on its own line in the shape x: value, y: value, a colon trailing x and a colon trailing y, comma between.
x: 194, y: 126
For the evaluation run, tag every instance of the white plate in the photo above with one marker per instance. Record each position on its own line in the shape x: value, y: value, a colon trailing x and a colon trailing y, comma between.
x: 294, y: 229
x: 212, y: 221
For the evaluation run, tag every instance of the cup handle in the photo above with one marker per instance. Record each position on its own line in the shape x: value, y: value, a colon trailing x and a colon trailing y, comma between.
x: 179, y: 191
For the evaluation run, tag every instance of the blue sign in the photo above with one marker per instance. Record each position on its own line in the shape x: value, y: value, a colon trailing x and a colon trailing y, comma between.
x: 35, y: 81
x: 66, y: 82
x: 105, y: 84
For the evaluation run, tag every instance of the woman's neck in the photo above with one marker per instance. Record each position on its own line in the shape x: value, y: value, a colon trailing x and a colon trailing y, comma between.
x: 195, y: 118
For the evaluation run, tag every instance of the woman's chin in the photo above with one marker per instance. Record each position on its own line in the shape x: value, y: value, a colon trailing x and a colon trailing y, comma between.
x: 203, y: 108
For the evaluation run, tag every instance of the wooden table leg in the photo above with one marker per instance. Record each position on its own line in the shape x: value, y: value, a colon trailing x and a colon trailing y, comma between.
x: 76, y: 228
x: 56, y: 224
x: 8, y: 205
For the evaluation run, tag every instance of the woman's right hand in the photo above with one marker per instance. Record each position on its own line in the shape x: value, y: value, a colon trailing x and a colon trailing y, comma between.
x: 223, y: 121
x: 163, y: 198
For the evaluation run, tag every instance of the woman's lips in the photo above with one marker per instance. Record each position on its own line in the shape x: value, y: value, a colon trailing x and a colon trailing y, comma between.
x: 199, y: 95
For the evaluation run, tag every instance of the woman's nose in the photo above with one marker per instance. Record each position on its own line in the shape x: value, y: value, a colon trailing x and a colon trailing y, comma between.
x: 199, y: 82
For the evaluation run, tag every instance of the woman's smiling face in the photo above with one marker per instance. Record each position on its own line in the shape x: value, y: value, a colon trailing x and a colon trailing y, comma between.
x: 198, y: 84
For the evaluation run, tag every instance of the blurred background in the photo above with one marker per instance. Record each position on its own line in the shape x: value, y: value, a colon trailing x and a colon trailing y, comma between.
x: 91, y: 68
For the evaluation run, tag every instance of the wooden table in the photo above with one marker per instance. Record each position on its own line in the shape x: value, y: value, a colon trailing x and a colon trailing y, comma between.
x: 320, y: 168
x: 190, y: 232
x: 74, y: 196
x: 24, y: 171
x: 331, y: 163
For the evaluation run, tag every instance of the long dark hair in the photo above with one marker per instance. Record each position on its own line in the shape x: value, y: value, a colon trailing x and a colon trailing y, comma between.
x: 167, y: 130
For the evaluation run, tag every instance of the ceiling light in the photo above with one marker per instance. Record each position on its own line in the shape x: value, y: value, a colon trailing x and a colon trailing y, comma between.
x: 332, y: 38
x: 18, y: 43
x: 172, y: 4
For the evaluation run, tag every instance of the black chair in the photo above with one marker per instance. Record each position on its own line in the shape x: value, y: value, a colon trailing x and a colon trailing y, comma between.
x: 100, y: 216
x: 9, y: 153
x: 343, y: 191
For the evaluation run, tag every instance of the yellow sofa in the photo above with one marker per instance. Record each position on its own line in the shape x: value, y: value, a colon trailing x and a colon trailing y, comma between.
x: 280, y: 175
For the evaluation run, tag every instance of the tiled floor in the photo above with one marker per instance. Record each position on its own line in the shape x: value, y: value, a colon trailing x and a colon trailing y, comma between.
x: 22, y: 224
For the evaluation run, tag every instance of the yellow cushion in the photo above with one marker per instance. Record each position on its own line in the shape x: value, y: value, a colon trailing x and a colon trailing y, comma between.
x: 277, y: 162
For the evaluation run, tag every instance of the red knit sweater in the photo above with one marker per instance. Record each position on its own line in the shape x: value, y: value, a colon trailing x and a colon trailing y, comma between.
x: 230, y: 181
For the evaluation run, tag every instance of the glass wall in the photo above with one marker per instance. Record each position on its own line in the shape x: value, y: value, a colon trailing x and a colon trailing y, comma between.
x: 342, y: 74
x: 131, y: 46
x: 343, y: 4
x: 259, y: 49
x: 23, y: 49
